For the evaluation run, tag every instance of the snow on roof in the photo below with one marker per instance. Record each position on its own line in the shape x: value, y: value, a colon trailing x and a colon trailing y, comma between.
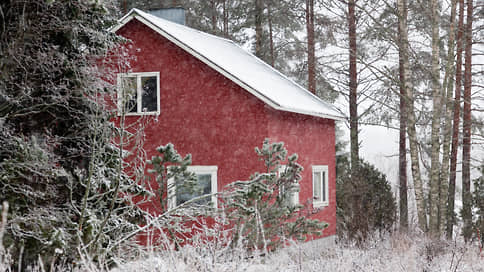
x: 238, y: 65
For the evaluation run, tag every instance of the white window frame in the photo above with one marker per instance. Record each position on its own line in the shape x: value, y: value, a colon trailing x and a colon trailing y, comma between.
x: 139, y: 94
x: 294, y: 198
x: 323, y: 169
x: 197, y: 170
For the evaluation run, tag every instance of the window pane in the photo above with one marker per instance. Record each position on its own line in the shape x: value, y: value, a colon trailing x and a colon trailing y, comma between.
x: 317, y: 187
x: 205, y: 182
x: 294, y: 196
x: 184, y: 194
x: 324, y: 187
x: 128, y: 85
x: 203, y: 187
x: 149, y: 99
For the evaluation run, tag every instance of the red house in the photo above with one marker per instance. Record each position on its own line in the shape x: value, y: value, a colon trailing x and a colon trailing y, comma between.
x: 211, y: 98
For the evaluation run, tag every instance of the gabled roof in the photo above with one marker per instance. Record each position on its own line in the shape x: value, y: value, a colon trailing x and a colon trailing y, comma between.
x: 240, y: 66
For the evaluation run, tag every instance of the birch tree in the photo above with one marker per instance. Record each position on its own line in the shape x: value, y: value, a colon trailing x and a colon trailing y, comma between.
x: 434, y: 199
x: 411, y: 118
x: 449, y: 108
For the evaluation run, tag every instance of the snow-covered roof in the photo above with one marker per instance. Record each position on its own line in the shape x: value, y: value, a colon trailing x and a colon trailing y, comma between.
x: 240, y: 66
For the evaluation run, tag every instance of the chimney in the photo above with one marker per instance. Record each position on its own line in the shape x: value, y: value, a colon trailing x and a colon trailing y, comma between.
x: 175, y: 14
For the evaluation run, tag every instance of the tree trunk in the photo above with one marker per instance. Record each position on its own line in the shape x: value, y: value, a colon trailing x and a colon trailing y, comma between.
x: 214, y: 16
x: 258, y: 28
x: 449, y: 87
x: 435, y: 139
x: 271, y: 38
x: 353, y: 87
x: 125, y: 6
x: 466, y: 140
x: 402, y: 156
x: 311, y: 51
x: 225, y: 19
x: 412, y: 135
x: 455, y: 129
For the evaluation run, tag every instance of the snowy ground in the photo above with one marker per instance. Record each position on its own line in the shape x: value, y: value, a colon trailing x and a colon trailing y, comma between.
x: 390, y: 253
x: 396, y: 253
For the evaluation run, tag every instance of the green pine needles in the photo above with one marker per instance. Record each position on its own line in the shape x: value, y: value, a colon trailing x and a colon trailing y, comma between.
x: 261, y: 209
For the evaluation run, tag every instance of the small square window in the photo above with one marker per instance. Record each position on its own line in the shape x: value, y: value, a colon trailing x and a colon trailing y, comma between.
x: 206, y: 185
x: 320, y: 186
x: 139, y: 93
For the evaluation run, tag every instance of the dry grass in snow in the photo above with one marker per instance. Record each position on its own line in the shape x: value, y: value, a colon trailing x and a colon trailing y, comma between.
x: 393, y: 253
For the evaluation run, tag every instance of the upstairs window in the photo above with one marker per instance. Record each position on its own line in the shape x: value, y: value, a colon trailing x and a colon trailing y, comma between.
x: 139, y: 93
x: 320, y: 186
x: 206, y: 185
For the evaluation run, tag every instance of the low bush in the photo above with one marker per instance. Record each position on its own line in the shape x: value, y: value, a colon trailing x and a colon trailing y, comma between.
x: 365, y: 202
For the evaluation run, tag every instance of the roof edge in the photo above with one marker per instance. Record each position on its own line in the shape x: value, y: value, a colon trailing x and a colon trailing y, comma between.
x: 315, y: 114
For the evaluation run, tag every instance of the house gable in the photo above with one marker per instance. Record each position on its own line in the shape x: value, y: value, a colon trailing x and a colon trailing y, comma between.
x: 246, y: 70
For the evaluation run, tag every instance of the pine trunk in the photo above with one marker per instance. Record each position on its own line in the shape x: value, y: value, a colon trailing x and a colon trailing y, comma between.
x: 402, y: 156
x: 311, y: 52
x: 410, y: 111
x: 466, y: 140
x: 271, y: 38
x: 214, y: 16
x: 435, y: 134
x: 456, y: 122
x: 353, y: 87
x: 225, y: 19
x: 125, y: 6
x: 449, y: 88
x: 258, y: 28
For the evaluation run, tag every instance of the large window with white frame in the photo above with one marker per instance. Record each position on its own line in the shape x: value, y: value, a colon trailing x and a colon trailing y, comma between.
x: 206, y: 184
x: 290, y: 189
x: 320, y: 186
x: 139, y: 93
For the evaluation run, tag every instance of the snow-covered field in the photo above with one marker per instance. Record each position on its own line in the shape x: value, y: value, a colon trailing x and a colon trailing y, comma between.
x: 395, y: 253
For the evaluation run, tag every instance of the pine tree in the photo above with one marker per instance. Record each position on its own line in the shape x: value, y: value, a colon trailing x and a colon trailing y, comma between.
x: 260, y: 208
x: 353, y: 86
x: 402, y: 147
x: 311, y: 45
x: 466, y: 139
x: 59, y: 170
x: 455, y: 125
x: 170, y: 165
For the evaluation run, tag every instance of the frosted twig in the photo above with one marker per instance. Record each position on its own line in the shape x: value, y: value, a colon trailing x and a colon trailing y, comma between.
x: 3, y: 225
x: 158, y: 218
